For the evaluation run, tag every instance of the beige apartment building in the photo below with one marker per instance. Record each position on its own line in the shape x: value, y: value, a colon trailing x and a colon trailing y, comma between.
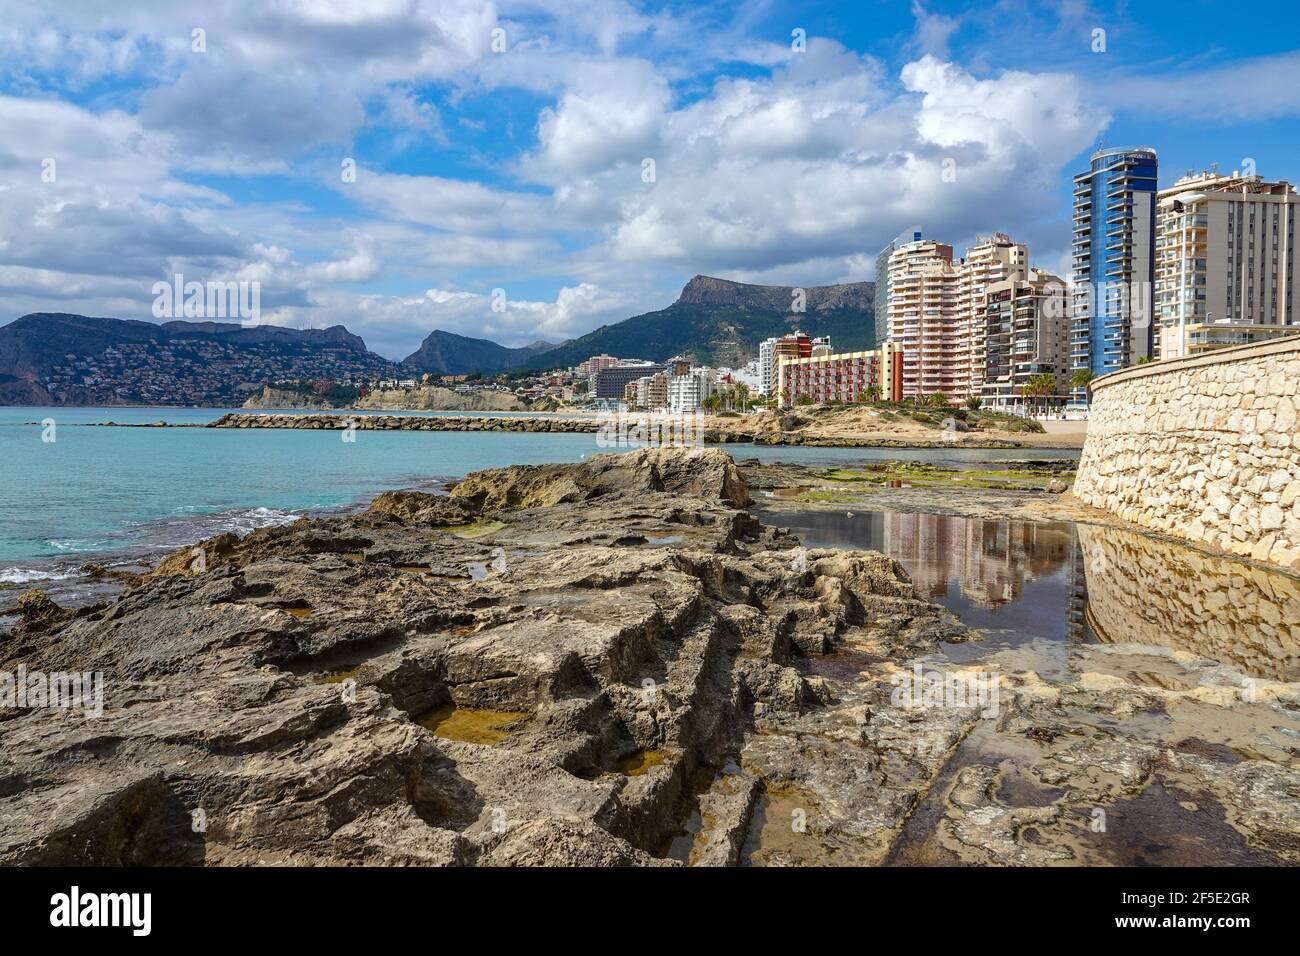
x: 1226, y: 265
x: 936, y: 311
x: 991, y: 260
x: 924, y: 319
x: 1027, y: 325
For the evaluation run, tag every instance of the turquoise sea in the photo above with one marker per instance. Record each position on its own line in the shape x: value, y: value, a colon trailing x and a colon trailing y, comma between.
x: 121, y: 495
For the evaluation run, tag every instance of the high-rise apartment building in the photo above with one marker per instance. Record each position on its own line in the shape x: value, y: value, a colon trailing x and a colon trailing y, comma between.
x: 790, y: 346
x: 765, y: 384
x: 652, y: 391
x: 1026, y: 334
x: 882, y: 281
x: 925, y: 321
x: 991, y: 260
x: 1226, y: 265
x: 1113, y: 260
x: 686, y: 393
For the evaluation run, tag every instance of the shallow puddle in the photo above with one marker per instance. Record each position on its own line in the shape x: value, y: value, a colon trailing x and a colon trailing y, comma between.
x: 1053, y: 581
x: 472, y: 725
x: 641, y: 762
x: 786, y: 830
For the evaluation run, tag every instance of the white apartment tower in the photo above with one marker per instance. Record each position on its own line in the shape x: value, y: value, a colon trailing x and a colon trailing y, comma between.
x: 766, y: 349
x: 925, y: 320
x: 1226, y: 265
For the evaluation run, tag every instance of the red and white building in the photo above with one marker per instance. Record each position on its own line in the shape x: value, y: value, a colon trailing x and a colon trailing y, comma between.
x: 843, y: 376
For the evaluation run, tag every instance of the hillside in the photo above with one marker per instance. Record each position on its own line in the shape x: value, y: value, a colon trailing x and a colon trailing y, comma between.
x: 61, y: 359
x: 445, y: 353
x: 719, y: 322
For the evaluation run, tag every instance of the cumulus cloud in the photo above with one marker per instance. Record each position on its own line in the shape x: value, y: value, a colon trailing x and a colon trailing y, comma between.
x: 520, y: 170
x: 394, y: 325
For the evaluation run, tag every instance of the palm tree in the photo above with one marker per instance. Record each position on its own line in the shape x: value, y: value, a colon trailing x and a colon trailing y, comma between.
x: 1039, y: 385
x: 1081, y: 378
x: 873, y: 393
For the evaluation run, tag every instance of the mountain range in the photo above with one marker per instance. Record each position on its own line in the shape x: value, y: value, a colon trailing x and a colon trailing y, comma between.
x: 720, y: 322
x: 52, y: 358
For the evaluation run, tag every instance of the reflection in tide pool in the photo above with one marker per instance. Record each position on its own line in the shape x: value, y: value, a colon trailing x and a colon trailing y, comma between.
x: 1020, y: 581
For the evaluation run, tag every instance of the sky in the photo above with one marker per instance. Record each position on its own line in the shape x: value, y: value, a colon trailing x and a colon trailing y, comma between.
x: 402, y: 165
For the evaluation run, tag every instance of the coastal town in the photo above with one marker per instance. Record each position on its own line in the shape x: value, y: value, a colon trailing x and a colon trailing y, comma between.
x: 1207, y: 263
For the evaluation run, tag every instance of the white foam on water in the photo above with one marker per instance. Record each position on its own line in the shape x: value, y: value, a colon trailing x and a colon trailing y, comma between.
x: 28, y: 575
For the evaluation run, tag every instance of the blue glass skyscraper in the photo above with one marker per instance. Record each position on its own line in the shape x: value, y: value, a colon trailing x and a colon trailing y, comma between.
x: 1113, y: 260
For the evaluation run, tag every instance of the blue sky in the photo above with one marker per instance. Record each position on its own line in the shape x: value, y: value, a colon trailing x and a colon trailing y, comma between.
x: 505, y: 145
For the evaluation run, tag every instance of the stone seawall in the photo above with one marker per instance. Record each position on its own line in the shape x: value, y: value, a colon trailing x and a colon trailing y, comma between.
x: 1205, y: 448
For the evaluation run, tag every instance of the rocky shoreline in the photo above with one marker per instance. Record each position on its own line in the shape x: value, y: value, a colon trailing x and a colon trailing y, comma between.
x: 606, y: 663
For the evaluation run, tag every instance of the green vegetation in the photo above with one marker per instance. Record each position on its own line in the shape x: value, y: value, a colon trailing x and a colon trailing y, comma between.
x: 920, y: 474
x: 1040, y: 386
x: 324, y: 391
x: 475, y: 530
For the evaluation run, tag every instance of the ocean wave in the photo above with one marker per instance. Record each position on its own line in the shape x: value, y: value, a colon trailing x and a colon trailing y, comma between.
x: 28, y: 575
x: 77, y: 545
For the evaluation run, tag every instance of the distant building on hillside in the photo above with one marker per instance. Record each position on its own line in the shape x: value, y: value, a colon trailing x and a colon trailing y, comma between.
x: 594, y: 364
x: 611, y: 381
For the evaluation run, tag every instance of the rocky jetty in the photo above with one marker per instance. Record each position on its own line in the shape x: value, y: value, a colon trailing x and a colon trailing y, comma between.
x: 421, y: 423
x: 760, y: 430
x: 606, y: 663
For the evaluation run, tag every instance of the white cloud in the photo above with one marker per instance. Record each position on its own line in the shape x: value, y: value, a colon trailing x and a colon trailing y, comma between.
x: 1258, y: 89
x: 792, y: 169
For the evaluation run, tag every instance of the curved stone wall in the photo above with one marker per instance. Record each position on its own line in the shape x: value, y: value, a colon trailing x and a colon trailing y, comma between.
x: 1206, y: 448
